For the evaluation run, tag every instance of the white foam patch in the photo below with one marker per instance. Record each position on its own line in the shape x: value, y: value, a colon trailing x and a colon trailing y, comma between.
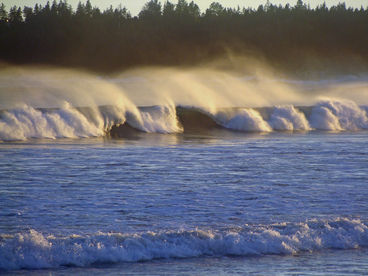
x: 246, y: 119
x: 288, y: 118
x: 338, y: 115
x: 35, y: 250
x: 26, y: 122
x: 157, y: 119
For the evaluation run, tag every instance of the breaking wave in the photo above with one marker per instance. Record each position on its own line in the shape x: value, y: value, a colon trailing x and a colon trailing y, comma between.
x: 26, y: 122
x: 32, y: 250
x: 247, y: 119
x: 288, y: 118
x: 339, y: 115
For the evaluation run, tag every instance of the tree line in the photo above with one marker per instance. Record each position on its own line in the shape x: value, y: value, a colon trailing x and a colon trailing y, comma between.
x: 288, y: 37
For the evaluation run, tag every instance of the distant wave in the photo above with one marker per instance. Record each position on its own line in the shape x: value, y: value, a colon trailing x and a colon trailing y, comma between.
x: 33, y: 249
x: 26, y: 122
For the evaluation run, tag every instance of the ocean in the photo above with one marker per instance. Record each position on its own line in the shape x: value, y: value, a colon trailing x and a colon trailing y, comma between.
x: 174, y: 189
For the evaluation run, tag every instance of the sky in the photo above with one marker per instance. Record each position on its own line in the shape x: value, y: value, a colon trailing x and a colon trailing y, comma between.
x: 134, y: 6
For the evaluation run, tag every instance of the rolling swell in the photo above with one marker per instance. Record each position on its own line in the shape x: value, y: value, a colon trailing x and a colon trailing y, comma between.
x: 32, y: 250
x: 26, y: 122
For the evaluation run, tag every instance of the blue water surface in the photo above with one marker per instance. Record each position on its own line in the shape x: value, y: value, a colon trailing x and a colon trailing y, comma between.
x: 250, y: 195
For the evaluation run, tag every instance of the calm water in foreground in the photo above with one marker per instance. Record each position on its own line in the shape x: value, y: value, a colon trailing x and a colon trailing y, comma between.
x: 211, y: 204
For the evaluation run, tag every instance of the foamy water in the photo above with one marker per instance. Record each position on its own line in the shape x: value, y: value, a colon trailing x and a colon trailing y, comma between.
x: 35, y: 250
x: 92, y: 201
x: 26, y: 122
x: 198, y: 181
x: 36, y: 103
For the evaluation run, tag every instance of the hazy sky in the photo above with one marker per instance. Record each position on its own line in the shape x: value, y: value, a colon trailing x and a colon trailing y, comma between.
x: 135, y: 5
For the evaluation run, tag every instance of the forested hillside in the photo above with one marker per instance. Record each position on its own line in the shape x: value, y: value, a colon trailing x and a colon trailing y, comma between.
x: 287, y: 37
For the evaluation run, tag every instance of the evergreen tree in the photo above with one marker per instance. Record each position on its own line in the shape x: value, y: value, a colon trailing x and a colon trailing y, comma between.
x: 15, y: 15
x: 151, y: 10
x: 3, y: 13
x: 168, y: 9
x: 215, y: 9
x: 178, y: 34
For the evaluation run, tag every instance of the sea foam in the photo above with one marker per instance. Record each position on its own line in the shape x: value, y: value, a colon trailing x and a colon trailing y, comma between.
x: 33, y: 249
x: 338, y: 115
x: 25, y: 122
x: 288, y: 118
x: 156, y: 119
x: 247, y: 119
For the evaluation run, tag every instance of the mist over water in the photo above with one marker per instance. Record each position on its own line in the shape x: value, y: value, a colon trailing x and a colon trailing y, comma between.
x: 55, y: 103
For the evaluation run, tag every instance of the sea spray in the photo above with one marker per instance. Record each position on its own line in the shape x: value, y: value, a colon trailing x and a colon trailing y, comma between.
x: 32, y: 102
x: 245, y: 119
x: 288, y: 118
x: 338, y: 115
x: 27, y: 122
x: 156, y: 119
x: 205, y: 88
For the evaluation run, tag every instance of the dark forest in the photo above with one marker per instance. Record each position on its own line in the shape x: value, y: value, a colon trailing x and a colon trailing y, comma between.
x: 289, y: 38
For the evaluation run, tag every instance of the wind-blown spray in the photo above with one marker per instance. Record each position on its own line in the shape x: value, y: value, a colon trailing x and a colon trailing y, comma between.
x: 53, y: 103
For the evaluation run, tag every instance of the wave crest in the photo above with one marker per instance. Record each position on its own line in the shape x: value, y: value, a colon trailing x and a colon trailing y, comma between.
x: 288, y: 118
x: 36, y: 250
x: 26, y: 122
x: 338, y: 115
x: 247, y: 119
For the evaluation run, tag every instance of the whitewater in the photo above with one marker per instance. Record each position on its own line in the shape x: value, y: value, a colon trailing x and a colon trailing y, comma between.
x: 59, y: 104
x: 181, y: 172
x: 26, y: 122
